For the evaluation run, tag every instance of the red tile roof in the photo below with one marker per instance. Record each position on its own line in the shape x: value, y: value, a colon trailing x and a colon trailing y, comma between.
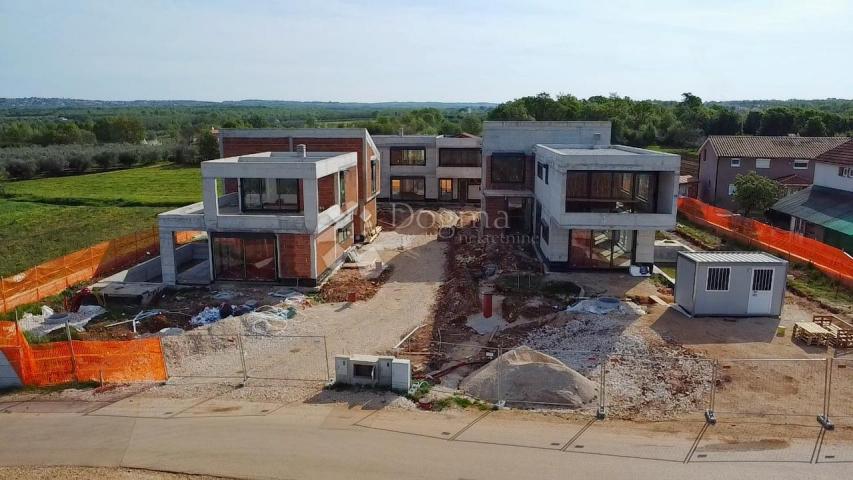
x: 840, y: 155
x: 773, y: 147
x: 793, y: 180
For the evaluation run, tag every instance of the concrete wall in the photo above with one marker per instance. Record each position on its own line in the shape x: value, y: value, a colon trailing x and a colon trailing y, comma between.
x: 153, y: 267
x: 826, y: 175
x: 522, y: 136
x: 684, y: 282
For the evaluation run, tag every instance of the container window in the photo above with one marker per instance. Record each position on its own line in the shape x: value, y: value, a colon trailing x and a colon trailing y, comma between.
x: 718, y: 279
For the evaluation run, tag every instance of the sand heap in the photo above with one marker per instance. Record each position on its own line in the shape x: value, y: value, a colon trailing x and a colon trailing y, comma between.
x: 530, y: 376
x: 427, y: 222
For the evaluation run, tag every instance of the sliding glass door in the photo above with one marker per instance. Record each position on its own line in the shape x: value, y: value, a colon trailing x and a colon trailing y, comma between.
x: 601, y: 248
x: 244, y: 257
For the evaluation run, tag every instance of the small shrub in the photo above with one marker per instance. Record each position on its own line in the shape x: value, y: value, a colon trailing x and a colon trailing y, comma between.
x: 184, y: 155
x: 105, y: 159
x: 128, y: 158
x: 20, y: 169
x: 150, y: 157
x: 51, y: 166
x: 79, y: 162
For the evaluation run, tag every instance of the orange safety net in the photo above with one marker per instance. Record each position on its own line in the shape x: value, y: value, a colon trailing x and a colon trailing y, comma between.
x: 99, y: 260
x: 63, y: 362
x: 795, y: 247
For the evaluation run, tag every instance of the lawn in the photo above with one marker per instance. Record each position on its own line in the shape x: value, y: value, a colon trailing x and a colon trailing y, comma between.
x: 32, y: 233
x: 46, y: 218
x: 156, y: 186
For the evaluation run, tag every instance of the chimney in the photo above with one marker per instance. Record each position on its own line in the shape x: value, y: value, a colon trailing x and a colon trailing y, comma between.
x: 302, y: 150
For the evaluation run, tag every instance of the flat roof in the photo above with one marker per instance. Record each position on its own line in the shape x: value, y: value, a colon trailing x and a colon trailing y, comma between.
x: 601, y: 150
x: 280, y: 157
x: 732, y: 257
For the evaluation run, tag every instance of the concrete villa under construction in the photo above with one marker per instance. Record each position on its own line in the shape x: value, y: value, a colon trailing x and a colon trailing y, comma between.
x: 290, y: 220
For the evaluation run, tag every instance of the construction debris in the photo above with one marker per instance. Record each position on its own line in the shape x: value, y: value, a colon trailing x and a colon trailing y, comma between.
x: 49, y: 321
x: 525, y: 375
x: 605, y: 305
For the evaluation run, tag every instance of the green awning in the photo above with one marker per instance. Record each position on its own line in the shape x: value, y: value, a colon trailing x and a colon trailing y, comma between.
x: 827, y: 207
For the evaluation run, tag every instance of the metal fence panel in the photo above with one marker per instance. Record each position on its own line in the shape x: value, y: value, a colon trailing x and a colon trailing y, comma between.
x: 203, y: 356
x: 841, y: 391
x: 771, y: 387
x: 286, y: 358
x: 657, y: 387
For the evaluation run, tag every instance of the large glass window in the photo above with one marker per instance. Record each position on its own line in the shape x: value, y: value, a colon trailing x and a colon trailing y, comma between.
x: 601, y: 248
x: 507, y: 168
x: 611, y: 192
x: 445, y: 189
x: 342, y: 187
x: 402, y: 156
x: 244, y: 257
x: 459, y: 157
x: 407, y: 188
x: 277, y: 194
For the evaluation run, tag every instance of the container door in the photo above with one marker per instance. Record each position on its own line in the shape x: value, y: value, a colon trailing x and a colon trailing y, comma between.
x: 761, y: 294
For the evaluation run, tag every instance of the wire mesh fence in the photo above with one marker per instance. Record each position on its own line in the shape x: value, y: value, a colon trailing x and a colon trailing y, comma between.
x: 839, y: 403
x: 242, y: 356
x: 771, y: 387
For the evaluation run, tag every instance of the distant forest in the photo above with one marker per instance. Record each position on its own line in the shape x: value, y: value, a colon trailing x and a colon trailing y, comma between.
x: 49, y: 135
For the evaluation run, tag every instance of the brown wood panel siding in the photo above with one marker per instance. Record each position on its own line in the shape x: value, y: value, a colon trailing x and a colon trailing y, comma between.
x: 326, y: 252
x: 294, y: 259
x: 529, y: 174
x: 351, y: 188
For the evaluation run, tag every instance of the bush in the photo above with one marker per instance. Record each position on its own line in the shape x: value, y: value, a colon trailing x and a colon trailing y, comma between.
x: 128, y: 158
x: 79, y: 162
x: 51, y: 166
x: 184, y: 155
x: 20, y: 169
x: 150, y: 157
x: 105, y: 159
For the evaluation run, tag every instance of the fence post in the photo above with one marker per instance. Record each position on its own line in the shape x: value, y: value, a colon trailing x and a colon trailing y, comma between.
x: 499, y: 396
x: 326, y: 357
x: 827, y: 393
x: 163, y: 356
x: 602, y: 391
x: 242, y: 356
x: 71, y: 348
x: 710, y: 415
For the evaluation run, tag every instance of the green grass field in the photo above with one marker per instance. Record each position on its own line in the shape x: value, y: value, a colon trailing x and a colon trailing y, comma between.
x: 157, y: 186
x: 46, y: 218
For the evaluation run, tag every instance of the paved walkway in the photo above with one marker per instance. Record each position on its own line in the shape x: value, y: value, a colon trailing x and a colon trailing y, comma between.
x: 334, y: 440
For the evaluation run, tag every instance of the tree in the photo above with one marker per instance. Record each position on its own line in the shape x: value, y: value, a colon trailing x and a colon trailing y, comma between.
x: 725, y: 122
x: 777, y: 121
x: 755, y: 193
x: 814, y: 127
x: 105, y: 159
x: 119, y: 129
x: 20, y: 169
x: 752, y: 122
x: 208, y: 145
x: 471, y: 124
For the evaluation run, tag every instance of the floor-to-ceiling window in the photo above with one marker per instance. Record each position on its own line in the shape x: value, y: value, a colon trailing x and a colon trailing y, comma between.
x: 408, y: 188
x: 601, y: 248
x: 244, y: 257
x: 610, y: 192
x: 263, y: 194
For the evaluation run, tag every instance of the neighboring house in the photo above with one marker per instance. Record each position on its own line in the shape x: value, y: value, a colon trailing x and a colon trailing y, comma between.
x: 688, y: 186
x: 430, y: 168
x: 289, y: 221
x: 587, y: 204
x: 233, y: 142
x: 823, y: 211
x: 789, y: 160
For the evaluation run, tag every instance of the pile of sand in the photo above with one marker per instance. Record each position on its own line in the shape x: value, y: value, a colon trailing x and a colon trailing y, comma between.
x: 529, y: 376
x: 427, y: 222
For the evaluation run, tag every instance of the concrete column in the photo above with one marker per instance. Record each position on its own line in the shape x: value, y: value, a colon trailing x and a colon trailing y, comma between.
x: 310, y: 201
x: 211, y: 203
x: 645, y: 249
x: 168, y: 267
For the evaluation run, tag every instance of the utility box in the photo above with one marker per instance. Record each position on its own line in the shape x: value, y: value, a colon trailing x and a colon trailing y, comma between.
x: 730, y: 284
x: 373, y: 371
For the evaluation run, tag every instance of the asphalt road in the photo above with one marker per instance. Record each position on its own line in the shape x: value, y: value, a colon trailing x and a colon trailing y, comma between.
x: 339, y: 441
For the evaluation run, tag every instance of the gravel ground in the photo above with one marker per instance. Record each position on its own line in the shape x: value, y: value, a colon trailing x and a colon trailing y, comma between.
x: 85, y: 473
x: 645, y: 377
x: 294, y: 350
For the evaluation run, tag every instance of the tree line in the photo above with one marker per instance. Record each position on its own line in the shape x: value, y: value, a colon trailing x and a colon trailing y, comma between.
x: 680, y: 124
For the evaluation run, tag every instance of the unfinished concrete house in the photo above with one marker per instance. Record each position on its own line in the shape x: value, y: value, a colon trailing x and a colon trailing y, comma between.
x: 586, y: 204
x: 287, y: 218
x: 233, y: 142
x: 429, y: 168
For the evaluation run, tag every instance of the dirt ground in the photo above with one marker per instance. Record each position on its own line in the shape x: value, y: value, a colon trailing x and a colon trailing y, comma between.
x: 100, y: 473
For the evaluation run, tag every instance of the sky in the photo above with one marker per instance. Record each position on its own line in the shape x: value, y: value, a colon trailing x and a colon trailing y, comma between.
x: 440, y: 50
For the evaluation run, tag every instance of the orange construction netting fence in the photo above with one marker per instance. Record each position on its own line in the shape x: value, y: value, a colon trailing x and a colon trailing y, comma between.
x: 56, y: 363
x: 105, y: 258
x: 796, y: 248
